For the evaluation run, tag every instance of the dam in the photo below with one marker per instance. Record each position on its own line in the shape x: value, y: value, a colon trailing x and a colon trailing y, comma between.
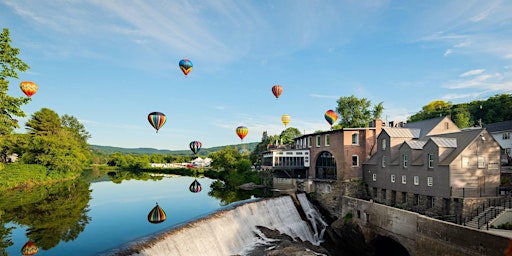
x: 234, y: 231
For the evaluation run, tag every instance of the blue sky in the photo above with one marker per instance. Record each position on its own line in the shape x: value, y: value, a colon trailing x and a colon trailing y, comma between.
x: 110, y: 63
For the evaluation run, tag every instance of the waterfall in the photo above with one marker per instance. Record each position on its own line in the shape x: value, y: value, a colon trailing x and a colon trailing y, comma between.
x: 231, y: 231
x: 314, y: 218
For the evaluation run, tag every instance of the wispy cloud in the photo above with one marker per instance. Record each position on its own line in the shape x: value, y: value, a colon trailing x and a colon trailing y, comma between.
x: 314, y: 95
x: 472, y: 72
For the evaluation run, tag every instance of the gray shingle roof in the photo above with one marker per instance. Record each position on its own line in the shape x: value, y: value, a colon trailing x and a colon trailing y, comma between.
x: 499, y: 127
x: 445, y: 142
x: 463, y: 138
x: 415, y: 144
x: 425, y: 126
x: 395, y: 132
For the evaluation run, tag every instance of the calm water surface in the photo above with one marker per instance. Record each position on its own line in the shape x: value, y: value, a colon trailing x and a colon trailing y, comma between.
x: 80, y: 218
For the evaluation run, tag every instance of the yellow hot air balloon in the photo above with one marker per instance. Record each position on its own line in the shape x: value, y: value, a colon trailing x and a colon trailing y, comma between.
x: 285, y: 119
x: 29, y: 88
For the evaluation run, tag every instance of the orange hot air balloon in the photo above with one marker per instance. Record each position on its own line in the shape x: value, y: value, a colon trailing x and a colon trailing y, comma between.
x: 242, y: 131
x: 30, y: 248
x: 277, y: 90
x: 29, y: 88
x: 285, y: 119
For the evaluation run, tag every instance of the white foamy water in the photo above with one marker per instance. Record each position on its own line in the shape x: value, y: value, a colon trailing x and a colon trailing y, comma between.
x: 232, y: 232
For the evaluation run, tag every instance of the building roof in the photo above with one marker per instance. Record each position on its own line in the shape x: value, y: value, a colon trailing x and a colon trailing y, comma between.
x: 415, y: 144
x: 444, y: 142
x: 425, y: 126
x: 463, y: 139
x: 398, y: 132
x: 499, y: 127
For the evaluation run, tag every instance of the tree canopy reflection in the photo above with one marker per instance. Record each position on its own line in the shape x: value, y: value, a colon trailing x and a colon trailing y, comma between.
x: 51, y: 213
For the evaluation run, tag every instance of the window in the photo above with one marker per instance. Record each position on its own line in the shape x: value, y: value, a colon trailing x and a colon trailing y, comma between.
x: 465, y: 162
x: 374, y: 192
x: 404, y: 197
x: 374, y: 177
x: 430, y: 202
x: 506, y: 135
x: 430, y: 161
x: 416, y: 180
x: 383, y: 192
x: 309, y: 142
x: 446, y: 125
x: 392, y: 178
x: 416, y: 199
x: 355, y: 160
x: 404, y: 160
x: 481, y: 162
x: 327, y: 140
x: 318, y: 141
x: 404, y: 179
x: 355, y: 139
x: 430, y: 181
x: 383, y: 161
x: 384, y: 144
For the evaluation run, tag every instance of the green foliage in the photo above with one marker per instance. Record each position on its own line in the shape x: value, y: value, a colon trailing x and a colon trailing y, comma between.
x: 288, y: 135
x: 10, y: 106
x: 23, y: 175
x: 480, y: 112
x: 355, y: 112
x: 108, y: 150
x: 348, y: 217
x: 227, y: 158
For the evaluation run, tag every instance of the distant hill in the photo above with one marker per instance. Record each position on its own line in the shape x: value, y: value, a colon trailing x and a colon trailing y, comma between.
x: 108, y: 150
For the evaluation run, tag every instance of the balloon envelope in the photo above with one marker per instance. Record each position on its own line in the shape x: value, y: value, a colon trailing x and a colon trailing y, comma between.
x: 156, y: 215
x: 195, y: 146
x: 242, y: 131
x: 157, y: 120
x: 331, y: 116
x: 29, y: 88
x: 186, y: 66
x: 277, y: 90
x: 285, y: 119
x: 195, y: 187
x: 30, y: 248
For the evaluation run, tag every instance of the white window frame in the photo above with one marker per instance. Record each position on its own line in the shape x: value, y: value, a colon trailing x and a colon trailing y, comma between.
x: 405, y: 160
x: 384, y: 144
x: 374, y: 177
x: 310, y: 141
x: 506, y: 136
x: 416, y: 180
x: 430, y: 161
x: 465, y: 162
x: 404, y: 179
x: 327, y: 140
x: 383, y: 161
x: 318, y: 141
x: 430, y: 181
x: 481, y: 162
x: 393, y: 178
x: 355, y: 139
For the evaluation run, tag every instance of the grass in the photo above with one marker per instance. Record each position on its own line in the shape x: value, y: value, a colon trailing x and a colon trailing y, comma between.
x: 17, y: 175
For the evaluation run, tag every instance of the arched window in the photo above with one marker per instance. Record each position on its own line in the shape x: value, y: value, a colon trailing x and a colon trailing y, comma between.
x: 355, y: 139
x: 325, y: 166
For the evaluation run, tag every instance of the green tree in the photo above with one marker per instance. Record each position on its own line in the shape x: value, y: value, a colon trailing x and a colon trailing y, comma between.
x: 355, y: 112
x: 289, y: 134
x: 44, y: 122
x: 225, y: 158
x: 10, y: 107
x: 433, y: 109
x: 461, y: 116
x: 70, y: 122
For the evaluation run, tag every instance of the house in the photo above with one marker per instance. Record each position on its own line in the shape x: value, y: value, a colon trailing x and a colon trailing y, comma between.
x: 201, y: 162
x: 502, y: 133
x: 434, y: 168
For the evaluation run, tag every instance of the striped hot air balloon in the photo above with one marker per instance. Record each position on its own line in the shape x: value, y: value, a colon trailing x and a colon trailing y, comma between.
x: 195, y: 146
x: 242, y: 131
x: 29, y: 88
x: 277, y: 90
x: 185, y: 66
x: 331, y: 116
x: 195, y: 187
x: 156, y: 215
x: 157, y: 120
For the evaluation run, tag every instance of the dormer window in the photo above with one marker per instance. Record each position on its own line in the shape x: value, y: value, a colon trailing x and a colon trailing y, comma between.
x: 430, y: 161
x: 384, y: 144
x: 383, y: 161
x: 405, y: 160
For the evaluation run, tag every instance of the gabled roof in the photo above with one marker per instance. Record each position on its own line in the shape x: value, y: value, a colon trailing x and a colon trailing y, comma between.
x: 425, y: 126
x: 499, y: 127
x: 415, y: 144
x: 444, y: 142
x: 398, y: 132
x: 464, y: 139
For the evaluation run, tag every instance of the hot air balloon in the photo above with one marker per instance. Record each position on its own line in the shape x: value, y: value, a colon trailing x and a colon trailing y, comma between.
x: 29, y: 88
x: 195, y: 146
x: 285, y: 119
x: 156, y: 215
x: 186, y: 66
x: 30, y: 248
x: 242, y: 131
x: 331, y: 116
x: 277, y: 90
x: 195, y: 187
x: 157, y: 120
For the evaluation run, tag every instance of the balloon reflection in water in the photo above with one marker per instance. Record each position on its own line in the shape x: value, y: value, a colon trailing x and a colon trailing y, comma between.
x: 195, y: 187
x: 156, y: 215
x: 30, y: 248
